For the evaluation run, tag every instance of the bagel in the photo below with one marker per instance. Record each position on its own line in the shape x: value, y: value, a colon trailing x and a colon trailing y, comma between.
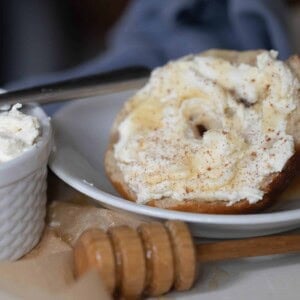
x: 217, y: 132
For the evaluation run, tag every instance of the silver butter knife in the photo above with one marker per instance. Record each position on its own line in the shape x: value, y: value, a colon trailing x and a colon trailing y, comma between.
x: 81, y: 87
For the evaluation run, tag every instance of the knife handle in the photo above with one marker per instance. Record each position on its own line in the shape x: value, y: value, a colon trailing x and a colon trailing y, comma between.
x: 80, y: 87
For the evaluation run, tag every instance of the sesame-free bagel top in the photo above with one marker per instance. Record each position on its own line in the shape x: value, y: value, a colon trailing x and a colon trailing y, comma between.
x: 206, y: 128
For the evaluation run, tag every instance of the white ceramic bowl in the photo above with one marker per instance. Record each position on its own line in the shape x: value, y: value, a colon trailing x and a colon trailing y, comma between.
x: 81, y: 137
x: 23, y: 194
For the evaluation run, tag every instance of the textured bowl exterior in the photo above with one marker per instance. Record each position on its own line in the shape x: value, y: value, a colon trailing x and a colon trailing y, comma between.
x: 22, y: 214
x: 23, y: 183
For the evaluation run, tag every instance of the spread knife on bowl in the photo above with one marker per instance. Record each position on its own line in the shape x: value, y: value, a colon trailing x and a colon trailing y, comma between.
x: 81, y: 87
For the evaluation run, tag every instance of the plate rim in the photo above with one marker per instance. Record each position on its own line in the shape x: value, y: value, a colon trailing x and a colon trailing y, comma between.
x: 129, y: 206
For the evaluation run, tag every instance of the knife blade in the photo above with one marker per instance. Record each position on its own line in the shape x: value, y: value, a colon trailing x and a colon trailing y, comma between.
x: 80, y: 87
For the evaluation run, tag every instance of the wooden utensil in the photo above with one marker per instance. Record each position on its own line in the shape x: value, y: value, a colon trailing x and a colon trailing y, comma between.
x: 156, y: 257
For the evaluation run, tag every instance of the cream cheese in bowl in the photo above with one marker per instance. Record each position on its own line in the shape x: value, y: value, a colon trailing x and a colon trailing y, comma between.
x: 18, y: 133
x: 25, y: 144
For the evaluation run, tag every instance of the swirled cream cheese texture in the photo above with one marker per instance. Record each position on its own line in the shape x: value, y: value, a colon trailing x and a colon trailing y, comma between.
x: 18, y: 132
x: 207, y: 129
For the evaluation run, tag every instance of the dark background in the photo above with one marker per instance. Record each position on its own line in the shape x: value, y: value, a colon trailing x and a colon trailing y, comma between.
x: 40, y: 36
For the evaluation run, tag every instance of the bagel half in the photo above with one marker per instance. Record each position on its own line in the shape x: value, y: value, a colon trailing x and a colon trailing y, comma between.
x: 271, y: 186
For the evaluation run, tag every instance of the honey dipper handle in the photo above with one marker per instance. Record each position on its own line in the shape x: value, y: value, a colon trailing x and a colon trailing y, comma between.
x: 259, y: 246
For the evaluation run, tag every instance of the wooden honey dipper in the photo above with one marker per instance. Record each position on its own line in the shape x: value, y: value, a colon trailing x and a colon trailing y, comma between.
x: 156, y: 257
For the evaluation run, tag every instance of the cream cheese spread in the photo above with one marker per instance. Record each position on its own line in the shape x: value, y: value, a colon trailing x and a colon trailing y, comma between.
x: 18, y: 133
x: 207, y: 129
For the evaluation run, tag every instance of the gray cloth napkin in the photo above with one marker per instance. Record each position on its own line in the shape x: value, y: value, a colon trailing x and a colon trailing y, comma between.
x: 152, y: 32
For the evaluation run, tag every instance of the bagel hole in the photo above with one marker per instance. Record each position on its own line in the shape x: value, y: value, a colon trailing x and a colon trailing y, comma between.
x: 200, y: 130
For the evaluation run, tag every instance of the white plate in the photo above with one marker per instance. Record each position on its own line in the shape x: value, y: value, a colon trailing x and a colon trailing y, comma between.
x: 81, y: 134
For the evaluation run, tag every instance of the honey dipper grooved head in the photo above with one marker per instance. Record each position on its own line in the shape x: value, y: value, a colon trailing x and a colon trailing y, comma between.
x: 159, y: 258
x: 130, y: 261
x: 94, y: 250
x: 184, y: 255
